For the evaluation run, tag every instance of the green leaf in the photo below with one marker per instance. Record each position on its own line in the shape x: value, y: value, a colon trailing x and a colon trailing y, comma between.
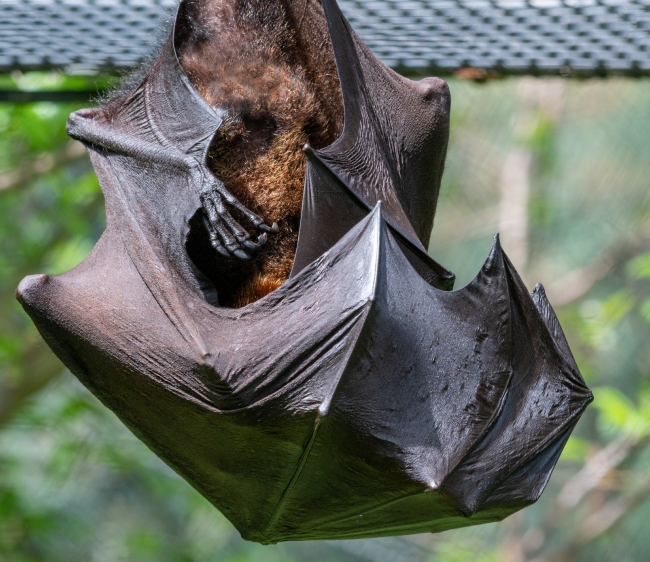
x: 639, y: 267
x: 618, y: 414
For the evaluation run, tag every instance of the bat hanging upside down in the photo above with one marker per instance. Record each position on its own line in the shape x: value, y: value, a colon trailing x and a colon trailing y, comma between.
x: 359, y: 398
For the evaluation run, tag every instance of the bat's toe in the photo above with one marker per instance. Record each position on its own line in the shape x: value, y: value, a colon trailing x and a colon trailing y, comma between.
x: 250, y: 245
x: 273, y: 229
x: 242, y: 255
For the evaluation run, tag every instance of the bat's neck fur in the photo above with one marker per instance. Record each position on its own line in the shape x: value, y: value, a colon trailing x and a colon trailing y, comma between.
x: 258, y: 60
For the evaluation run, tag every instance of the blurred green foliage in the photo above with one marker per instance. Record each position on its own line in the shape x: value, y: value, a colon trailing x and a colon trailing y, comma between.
x: 75, y: 485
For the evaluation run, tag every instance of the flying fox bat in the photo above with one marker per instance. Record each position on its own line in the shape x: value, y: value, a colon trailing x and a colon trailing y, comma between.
x: 350, y: 393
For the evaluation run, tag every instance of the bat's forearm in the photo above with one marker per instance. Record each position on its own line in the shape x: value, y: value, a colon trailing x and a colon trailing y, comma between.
x: 83, y: 127
x: 227, y: 236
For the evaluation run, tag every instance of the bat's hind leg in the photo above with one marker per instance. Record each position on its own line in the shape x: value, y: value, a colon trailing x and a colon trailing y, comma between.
x: 226, y: 234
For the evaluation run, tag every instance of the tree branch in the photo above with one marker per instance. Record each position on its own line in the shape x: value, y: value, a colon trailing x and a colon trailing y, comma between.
x: 43, y: 164
x: 577, y: 283
x: 38, y: 367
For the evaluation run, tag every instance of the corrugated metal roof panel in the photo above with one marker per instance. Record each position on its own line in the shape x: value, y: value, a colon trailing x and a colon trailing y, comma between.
x: 436, y: 36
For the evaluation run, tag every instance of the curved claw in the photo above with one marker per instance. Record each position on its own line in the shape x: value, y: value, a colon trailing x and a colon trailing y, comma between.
x: 273, y: 229
x: 242, y: 255
x: 226, y: 235
x: 250, y: 245
x: 214, y: 238
x: 219, y: 248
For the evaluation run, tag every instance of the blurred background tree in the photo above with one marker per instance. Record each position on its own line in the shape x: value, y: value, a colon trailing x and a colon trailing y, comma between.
x: 559, y: 167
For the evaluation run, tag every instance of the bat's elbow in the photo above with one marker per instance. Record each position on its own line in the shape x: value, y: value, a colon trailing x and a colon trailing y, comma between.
x: 76, y: 121
x: 72, y: 127
x: 436, y: 90
x: 29, y: 289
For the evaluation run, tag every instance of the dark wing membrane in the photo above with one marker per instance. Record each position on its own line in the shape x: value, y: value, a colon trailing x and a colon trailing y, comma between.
x: 166, y: 109
x: 452, y: 410
x: 374, y: 411
x: 330, y: 210
x: 524, y: 486
x: 392, y: 150
x: 236, y: 419
x: 547, y: 395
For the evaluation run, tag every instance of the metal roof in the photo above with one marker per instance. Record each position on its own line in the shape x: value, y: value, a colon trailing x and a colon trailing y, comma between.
x: 584, y: 37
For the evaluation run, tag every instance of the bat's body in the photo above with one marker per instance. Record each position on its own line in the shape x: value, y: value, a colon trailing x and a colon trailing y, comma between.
x: 268, y: 71
x: 361, y: 397
x: 270, y: 66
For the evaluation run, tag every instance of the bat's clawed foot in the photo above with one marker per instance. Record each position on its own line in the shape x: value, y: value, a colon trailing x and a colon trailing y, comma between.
x: 226, y: 235
x: 273, y: 229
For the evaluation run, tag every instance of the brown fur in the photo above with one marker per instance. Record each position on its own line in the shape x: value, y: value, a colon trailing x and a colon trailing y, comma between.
x: 250, y: 58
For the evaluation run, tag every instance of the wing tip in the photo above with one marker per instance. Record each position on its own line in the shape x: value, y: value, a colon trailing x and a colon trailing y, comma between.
x: 494, y: 261
x: 539, y: 289
x: 30, y: 288
x: 376, y: 219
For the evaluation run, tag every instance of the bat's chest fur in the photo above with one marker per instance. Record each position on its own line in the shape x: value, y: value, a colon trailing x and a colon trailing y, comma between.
x: 246, y: 57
